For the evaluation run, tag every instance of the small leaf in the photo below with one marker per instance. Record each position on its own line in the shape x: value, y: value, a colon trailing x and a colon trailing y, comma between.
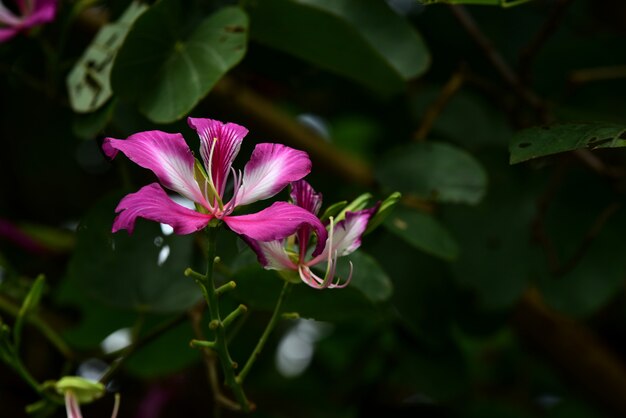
x: 88, y: 83
x: 360, y: 39
x: 434, y: 170
x: 546, y: 140
x: 423, y: 232
x: 168, y: 69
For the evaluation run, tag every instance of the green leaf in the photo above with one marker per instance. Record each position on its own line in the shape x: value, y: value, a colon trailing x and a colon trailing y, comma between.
x: 434, y: 170
x: 546, y: 140
x: 124, y: 270
x: 423, y: 232
x: 30, y: 304
x: 88, y: 83
x: 169, y: 69
x: 360, y: 39
x: 367, y: 276
x: 498, y: 254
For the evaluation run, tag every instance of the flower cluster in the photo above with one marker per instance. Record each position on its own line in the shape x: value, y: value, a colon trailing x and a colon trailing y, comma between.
x: 270, y: 169
x: 31, y: 13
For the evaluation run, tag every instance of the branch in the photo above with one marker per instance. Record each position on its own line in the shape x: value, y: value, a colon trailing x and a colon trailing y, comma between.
x: 264, y: 116
x: 448, y: 91
x: 548, y: 28
x: 576, y: 352
x: 501, y: 66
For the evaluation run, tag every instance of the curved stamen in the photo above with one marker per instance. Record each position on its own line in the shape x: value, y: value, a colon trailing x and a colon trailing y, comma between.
x: 211, y: 184
x: 347, y: 282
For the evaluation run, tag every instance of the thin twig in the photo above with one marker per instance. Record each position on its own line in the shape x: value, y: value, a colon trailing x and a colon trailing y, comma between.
x: 501, y: 66
x: 590, y: 236
x: 42, y: 326
x: 434, y: 110
x: 549, y: 27
x: 586, y: 75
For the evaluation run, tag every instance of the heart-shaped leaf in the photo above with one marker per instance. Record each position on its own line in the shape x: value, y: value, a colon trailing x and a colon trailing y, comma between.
x: 168, y: 68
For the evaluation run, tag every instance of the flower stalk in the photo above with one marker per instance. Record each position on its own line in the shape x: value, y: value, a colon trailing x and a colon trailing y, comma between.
x: 268, y: 330
x: 219, y: 345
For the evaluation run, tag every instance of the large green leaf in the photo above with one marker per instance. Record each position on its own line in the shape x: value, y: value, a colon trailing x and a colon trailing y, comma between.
x: 125, y: 271
x: 168, y: 68
x: 367, y: 276
x: 423, y: 232
x: 360, y: 39
x: 88, y: 83
x: 434, y: 170
x: 546, y: 140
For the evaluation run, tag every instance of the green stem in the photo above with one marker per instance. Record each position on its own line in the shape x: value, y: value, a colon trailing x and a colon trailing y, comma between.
x: 207, y: 285
x: 51, y: 335
x: 268, y: 329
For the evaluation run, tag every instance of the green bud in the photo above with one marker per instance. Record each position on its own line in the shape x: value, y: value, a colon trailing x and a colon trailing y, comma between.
x: 84, y: 390
x: 333, y: 210
x: 384, y: 210
x: 30, y: 304
x: 357, y: 204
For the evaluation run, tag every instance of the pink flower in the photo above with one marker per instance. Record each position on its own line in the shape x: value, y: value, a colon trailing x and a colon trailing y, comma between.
x: 31, y: 13
x: 270, y: 169
x: 343, y: 238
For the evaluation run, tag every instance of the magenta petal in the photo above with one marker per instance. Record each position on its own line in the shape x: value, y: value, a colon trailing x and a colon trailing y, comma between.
x: 152, y: 203
x: 167, y: 155
x: 227, y: 138
x: 305, y: 196
x: 275, y: 223
x: 43, y: 12
x: 7, y: 33
x: 7, y: 17
x: 270, y: 169
x: 348, y: 232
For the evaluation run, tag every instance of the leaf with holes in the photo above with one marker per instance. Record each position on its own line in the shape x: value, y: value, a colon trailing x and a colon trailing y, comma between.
x: 88, y: 83
x: 546, y: 140
x: 169, y: 69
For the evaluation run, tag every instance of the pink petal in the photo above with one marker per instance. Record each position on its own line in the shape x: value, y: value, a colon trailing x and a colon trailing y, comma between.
x: 227, y: 138
x: 167, y: 155
x: 43, y: 11
x: 272, y: 254
x: 8, y: 18
x: 270, y: 169
x: 71, y: 405
x: 152, y: 203
x: 305, y: 196
x: 7, y: 33
x: 275, y: 223
x: 347, y: 234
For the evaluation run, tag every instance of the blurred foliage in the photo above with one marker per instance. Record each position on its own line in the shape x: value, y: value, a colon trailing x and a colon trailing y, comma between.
x: 491, y: 290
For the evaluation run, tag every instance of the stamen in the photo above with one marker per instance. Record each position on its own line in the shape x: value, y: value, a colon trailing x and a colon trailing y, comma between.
x: 330, y: 266
x: 237, y: 181
x: 217, y: 197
